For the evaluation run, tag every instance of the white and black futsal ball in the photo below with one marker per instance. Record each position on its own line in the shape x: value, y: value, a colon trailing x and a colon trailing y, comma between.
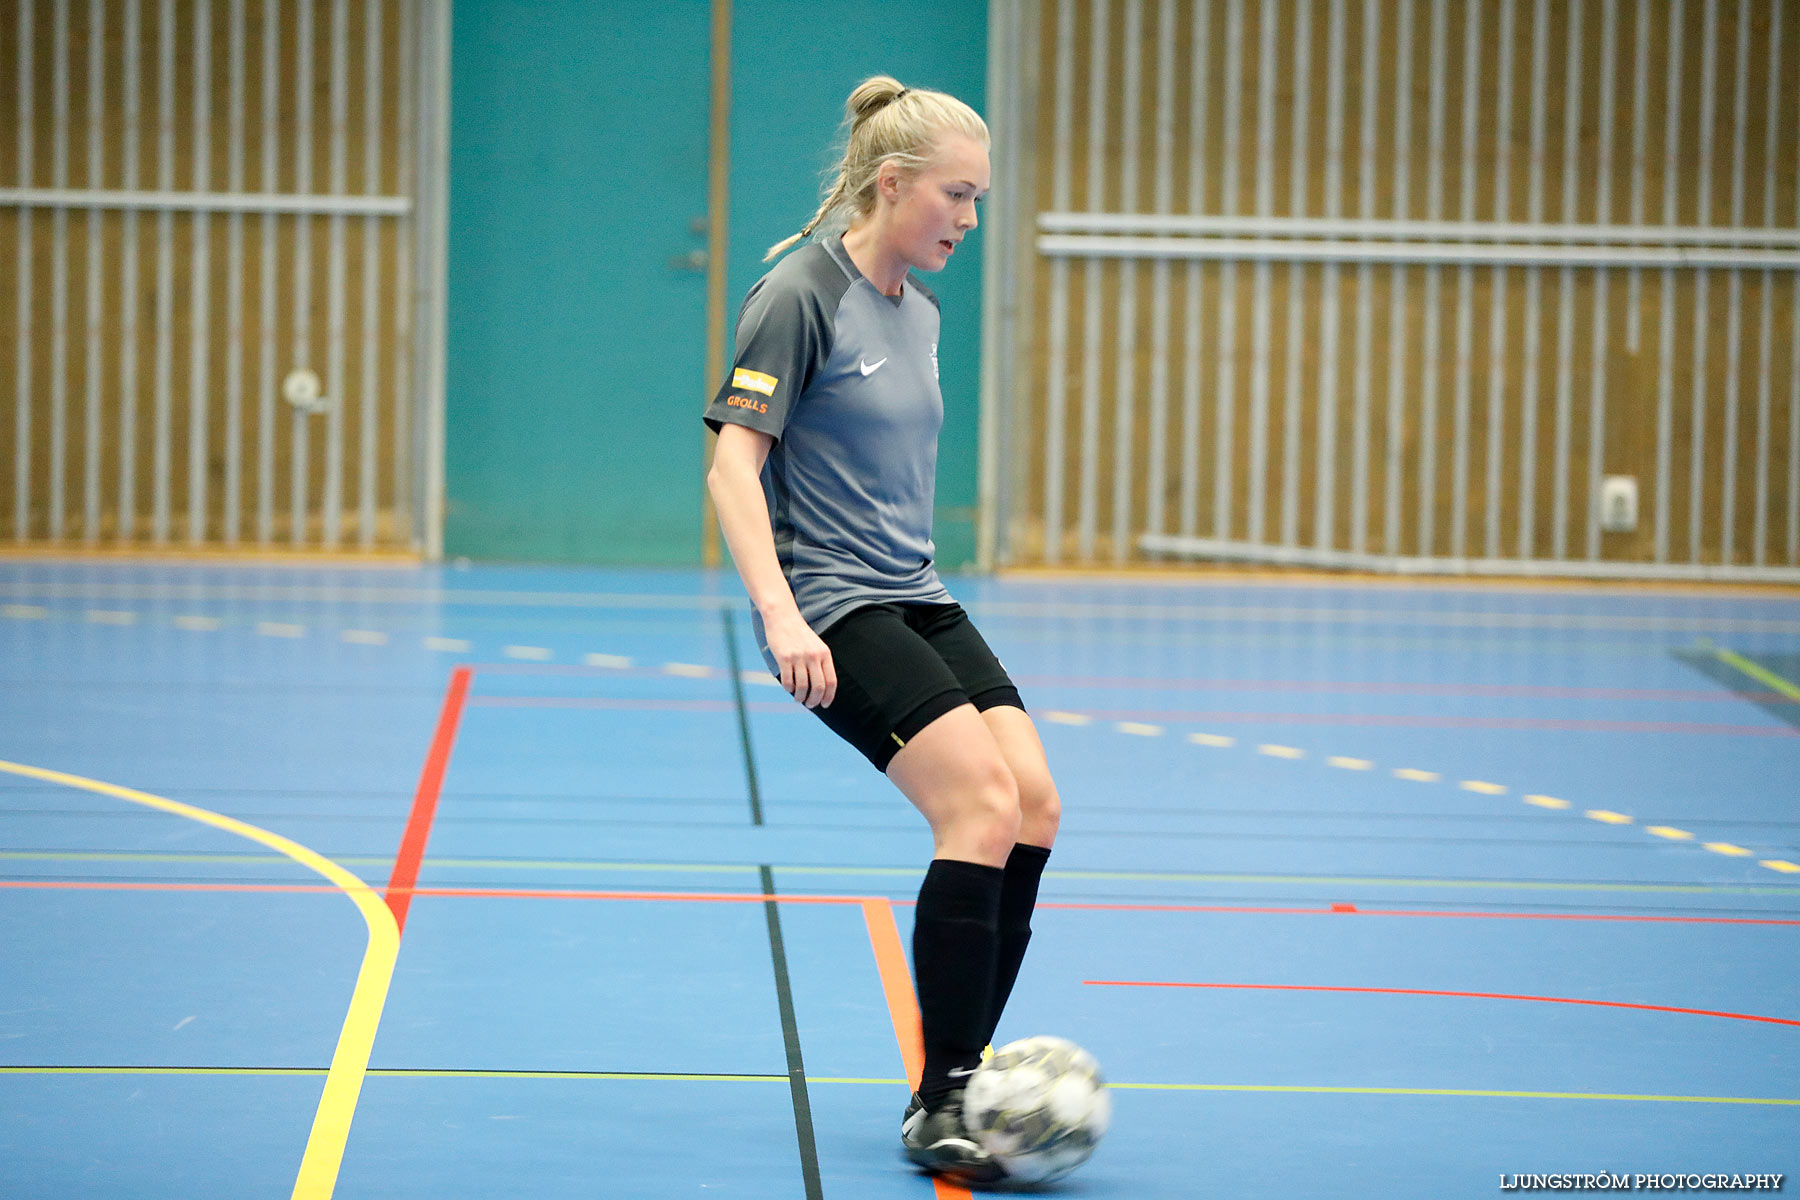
x: 1039, y: 1106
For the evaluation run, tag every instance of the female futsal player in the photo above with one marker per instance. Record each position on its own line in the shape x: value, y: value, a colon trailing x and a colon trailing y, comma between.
x: 823, y: 479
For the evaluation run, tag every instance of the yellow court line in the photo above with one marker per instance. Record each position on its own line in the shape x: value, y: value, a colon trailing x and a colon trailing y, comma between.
x: 652, y: 1077
x: 350, y: 1060
x: 1470, y: 1092
x: 1757, y: 672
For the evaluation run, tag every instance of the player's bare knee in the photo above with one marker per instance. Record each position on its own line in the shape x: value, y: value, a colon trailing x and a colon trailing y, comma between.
x: 993, y: 811
x: 1040, y: 806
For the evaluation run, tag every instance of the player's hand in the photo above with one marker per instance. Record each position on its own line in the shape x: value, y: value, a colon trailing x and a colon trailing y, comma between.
x: 807, y: 671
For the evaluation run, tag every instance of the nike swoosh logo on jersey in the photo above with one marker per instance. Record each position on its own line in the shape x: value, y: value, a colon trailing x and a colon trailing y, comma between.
x: 869, y: 368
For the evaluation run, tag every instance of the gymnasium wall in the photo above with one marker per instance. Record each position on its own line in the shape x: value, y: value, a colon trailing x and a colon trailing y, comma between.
x: 1287, y: 394
x: 578, y: 158
x: 791, y: 72
x: 142, y: 344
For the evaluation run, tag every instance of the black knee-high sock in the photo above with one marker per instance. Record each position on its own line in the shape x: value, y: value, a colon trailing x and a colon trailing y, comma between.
x: 1018, y: 897
x: 955, y: 940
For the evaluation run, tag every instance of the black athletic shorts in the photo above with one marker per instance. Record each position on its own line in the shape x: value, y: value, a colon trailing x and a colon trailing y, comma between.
x: 902, y: 666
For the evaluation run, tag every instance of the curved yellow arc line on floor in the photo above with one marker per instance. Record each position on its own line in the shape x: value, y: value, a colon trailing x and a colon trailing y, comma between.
x: 350, y: 1061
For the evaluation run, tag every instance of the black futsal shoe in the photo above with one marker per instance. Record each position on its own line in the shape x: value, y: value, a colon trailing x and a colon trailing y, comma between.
x: 941, y: 1142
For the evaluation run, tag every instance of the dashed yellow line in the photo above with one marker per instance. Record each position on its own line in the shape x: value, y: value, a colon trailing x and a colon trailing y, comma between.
x: 1607, y: 817
x: 617, y: 662
x: 197, y: 623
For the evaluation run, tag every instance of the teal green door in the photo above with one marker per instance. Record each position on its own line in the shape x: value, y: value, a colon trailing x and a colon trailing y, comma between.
x: 576, y: 277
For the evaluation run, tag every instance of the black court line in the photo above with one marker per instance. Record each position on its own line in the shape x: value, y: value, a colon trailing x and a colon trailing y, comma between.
x: 790, y: 1035
x: 784, y: 992
x: 743, y: 714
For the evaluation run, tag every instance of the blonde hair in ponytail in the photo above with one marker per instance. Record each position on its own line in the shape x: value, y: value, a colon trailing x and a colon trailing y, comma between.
x: 887, y: 121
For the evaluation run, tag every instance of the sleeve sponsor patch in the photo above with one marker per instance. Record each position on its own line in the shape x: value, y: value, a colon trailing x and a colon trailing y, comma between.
x: 754, y: 381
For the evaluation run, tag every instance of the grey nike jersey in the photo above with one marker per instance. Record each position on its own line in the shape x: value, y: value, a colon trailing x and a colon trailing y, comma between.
x: 845, y: 380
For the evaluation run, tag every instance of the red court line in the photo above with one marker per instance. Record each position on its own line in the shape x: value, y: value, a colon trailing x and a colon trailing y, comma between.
x: 1425, y: 721
x: 1303, y: 686
x: 503, y: 893
x: 1329, y: 687
x: 584, y: 894
x: 1355, y: 911
x: 1208, y: 716
x: 400, y: 888
x: 1296, y: 987
x: 607, y: 702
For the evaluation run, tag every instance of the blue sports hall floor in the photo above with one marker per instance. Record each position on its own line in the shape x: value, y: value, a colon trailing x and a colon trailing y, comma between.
x: 502, y: 882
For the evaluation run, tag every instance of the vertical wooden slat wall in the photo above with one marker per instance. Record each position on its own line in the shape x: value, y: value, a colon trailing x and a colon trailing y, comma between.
x: 1428, y: 410
x: 142, y: 378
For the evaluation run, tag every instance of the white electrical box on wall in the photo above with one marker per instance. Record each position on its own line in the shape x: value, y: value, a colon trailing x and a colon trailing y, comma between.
x: 1618, y: 503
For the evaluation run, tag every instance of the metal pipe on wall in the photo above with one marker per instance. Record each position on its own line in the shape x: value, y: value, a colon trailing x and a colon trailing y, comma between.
x: 59, y: 277
x: 200, y: 278
x: 22, y: 368
x: 1325, y: 468
x: 1056, y: 398
x: 1125, y: 387
x: 1093, y: 280
x: 96, y: 165
x: 1296, y: 281
x: 332, y: 516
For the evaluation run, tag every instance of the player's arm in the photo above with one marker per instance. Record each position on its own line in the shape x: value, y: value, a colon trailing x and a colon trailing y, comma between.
x: 735, y: 483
